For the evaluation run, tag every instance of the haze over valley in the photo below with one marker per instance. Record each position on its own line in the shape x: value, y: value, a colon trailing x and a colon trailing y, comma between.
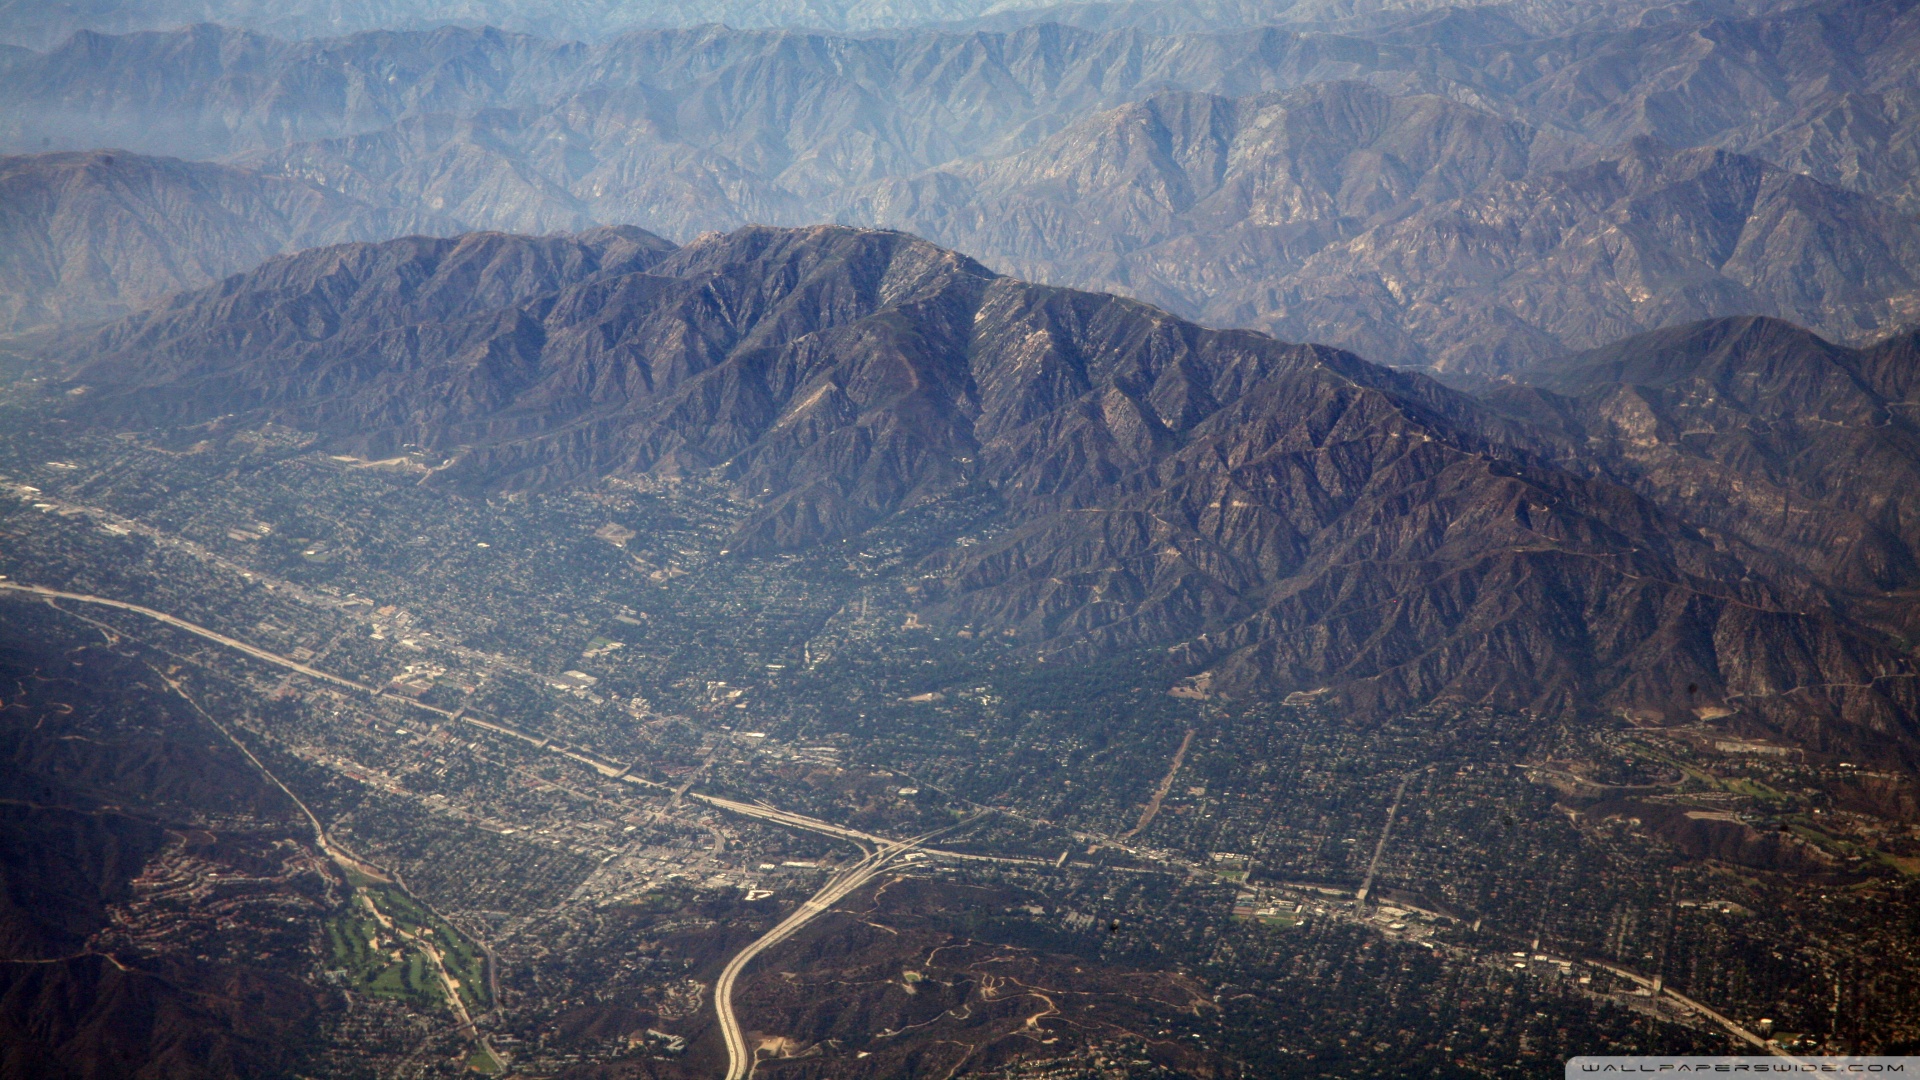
x: 1108, y: 540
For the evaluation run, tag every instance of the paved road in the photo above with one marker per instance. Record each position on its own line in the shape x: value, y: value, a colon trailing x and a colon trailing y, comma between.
x: 1722, y: 1019
x: 161, y: 616
x: 604, y: 766
x: 864, y: 840
x: 740, y: 1057
x: 881, y: 850
x: 867, y: 841
x: 1380, y: 846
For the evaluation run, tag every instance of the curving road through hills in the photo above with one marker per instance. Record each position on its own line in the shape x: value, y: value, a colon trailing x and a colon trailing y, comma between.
x: 740, y: 1057
x: 880, y: 851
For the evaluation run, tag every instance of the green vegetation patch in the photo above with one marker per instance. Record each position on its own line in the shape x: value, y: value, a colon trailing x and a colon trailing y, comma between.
x: 1280, y: 921
x: 1907, y: 865
x: 657, y: 902
x: 381, y: 943
x: 1754, y: 789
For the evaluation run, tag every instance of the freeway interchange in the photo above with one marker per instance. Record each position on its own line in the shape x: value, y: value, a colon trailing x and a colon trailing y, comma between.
x: 879, y: 853
x: 883, y: 854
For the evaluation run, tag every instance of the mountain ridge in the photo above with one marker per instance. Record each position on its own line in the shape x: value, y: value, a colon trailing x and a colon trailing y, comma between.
x: 1413, y: 229
x: 1429, y: 199
x: 1290, y: 518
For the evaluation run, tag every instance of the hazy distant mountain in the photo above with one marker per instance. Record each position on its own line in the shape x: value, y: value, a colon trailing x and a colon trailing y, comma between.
x: 1179, y: 198
x: 1428, y: 20
x: 1427, y: 195
x: 95, y: 235
x: 43, y: 24
x: 1641, y: 238
x: 845, y: 108
x: 1825, y: 85
x: 1290, y: 517
x: 1414, y: 230
x: 39, y: 25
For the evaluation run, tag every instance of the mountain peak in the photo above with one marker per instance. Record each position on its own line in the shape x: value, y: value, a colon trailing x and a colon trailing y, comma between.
x: 1288, y: 517
x: 902, y: 259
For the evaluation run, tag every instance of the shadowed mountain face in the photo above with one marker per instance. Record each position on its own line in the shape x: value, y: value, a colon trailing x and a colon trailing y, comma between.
x: 118, y: 802
x: 96, y: 235
x: 1290, y: 518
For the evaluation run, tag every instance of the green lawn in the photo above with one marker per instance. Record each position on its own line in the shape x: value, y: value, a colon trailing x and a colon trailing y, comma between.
x: 390, y: 963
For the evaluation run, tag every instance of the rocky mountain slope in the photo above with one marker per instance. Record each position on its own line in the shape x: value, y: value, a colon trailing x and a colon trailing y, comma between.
x: 321, y: 299
x: 1761, y: 430
x: 88, y: 236
x: 1287, y: 518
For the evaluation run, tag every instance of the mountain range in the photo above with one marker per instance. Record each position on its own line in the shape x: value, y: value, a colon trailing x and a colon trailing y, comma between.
x: 1682, y: 310
x: 1762, y: 430
x: 1464, y: 450
x: 1821, y: 89
x: 1415, y: 230
x: 1284, y: 518
x: 1470, y: 194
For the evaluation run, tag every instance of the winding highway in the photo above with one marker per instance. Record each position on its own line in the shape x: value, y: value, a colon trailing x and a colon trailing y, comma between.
x: 610, y: 769
x: 191, y: 628
x: 741, y: 1057
x: 879, y: 852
